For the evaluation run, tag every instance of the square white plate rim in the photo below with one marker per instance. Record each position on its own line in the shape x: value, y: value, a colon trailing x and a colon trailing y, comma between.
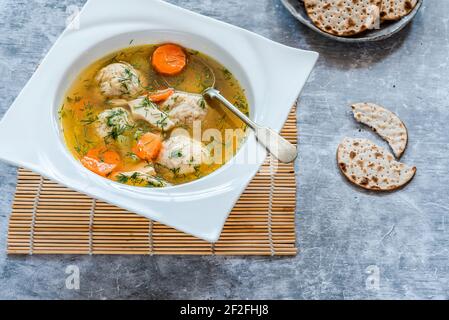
x: 198, y: 208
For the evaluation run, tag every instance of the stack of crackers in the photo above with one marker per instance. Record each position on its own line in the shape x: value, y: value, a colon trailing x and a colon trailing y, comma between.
x: 351, y: 17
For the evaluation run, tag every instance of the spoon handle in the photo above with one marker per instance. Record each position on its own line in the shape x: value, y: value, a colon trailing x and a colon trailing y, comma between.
x: 214, y: 93
x: 282, y: 149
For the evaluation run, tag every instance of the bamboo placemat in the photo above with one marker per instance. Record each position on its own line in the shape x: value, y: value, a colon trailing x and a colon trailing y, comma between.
x: 50, y: 219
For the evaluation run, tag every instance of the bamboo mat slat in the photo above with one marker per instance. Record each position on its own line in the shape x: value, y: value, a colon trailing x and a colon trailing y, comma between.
x: 50, y: 219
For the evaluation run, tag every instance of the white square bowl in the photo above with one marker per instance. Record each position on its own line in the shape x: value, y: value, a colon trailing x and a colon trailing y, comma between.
x: 271, y: 74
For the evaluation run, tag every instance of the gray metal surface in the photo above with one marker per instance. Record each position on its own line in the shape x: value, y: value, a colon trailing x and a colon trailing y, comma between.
x: 348, y: 238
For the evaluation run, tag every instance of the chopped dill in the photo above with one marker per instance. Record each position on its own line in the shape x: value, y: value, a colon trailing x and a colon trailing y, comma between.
x: 81, y: 148
x: 162, y: 123
x: 61, y: 112
x: 202, y: 104
x: 176, y: 154
x: 117, y: 123
x: 146, y: 103
x: 197, y: 171
x: 156, y: 182
x: 132, y: 155
x: 227, y: 74
x: 90, y: 117
x: 122, y: 178
x: 175, y: 171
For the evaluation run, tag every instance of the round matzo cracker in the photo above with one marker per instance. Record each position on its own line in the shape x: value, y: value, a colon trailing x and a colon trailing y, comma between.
x: 372, y: 167
x: 396, y: 9
x: 344, y: 17
x: 385, y: 123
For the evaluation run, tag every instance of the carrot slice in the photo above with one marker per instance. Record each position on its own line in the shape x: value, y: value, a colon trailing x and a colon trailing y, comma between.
x: 161, y: 95
x: 95, y: 152
x: 79, y: 106
x: 111, y: 157
x: 98, y: 167
x: 169, y: 59
x: 148, y: 146
x: 101, y: 161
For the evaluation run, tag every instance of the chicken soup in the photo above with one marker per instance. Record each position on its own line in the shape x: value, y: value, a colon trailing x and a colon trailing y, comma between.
x: 138, y: 117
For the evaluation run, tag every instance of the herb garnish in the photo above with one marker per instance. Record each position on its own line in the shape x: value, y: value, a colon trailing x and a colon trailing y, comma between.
x: 176, y: 154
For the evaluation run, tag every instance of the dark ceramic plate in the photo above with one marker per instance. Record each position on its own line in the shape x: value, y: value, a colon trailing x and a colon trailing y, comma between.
x: 296, y: 8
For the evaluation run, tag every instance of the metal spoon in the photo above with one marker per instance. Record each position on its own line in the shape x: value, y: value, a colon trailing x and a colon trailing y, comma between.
x: 283, y: 150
